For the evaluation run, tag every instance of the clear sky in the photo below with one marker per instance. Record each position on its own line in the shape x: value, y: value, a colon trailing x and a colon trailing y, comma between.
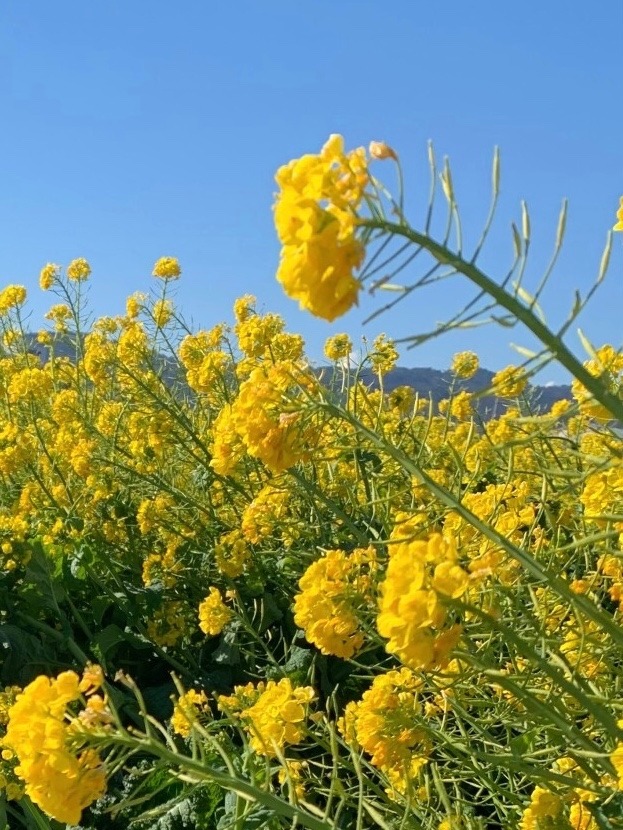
x: 137, y: 129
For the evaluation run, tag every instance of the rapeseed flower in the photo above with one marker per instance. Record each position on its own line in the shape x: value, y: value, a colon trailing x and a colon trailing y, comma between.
x: 48, y: 275
x: 188, y: 709
x: 334, y: 590
x: 78, y: 270
x: 316, y: 221
x: 465, y: 365
x: 61, y: 776
x: 167, y: 268
x: 213, y: 613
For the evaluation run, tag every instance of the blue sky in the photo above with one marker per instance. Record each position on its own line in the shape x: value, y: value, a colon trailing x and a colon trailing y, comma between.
x: 133, y: 130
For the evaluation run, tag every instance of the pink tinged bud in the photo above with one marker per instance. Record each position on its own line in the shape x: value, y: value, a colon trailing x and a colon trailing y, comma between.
x: 380, y: 150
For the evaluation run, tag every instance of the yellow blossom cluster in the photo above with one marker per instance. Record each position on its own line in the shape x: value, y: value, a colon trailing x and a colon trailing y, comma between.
x: 334, y: 591
x: 388, y: 724
x: 338, y: 347
x: 60, y: 775
x: 213, y: 613
x: 263, y: 422
x: 412, y: 613
x: 274, y: 714
x: 316, y: 221
x: 465, y: 365
x: 187, y: 710
x: 509, y: 382
x: 607, y: 365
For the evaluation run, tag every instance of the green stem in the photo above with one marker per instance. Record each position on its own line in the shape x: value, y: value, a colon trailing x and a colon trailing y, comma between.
x: 507, y: 301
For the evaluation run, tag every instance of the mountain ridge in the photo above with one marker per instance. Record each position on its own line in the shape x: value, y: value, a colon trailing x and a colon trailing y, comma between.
x: 428, y: 383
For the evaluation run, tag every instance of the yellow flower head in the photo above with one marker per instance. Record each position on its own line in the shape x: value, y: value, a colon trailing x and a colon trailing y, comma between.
x: 12, y: 296
x: 420, y: 575
x: 59, y: 776
x: 162, y: 311
x: 78, y: 270
x: 333, y: 590
x: 48, y: 275
x: 338, y: 347
x: 213, y: 613
x: 509, y: 382
x: 278, y: 716
x: 167, y: 268
x: 385, y: 723
x: 385, y: 355
x: 187, y: 710
x: 316, y: 221
x: 465, y: 365
x: 619, y: 224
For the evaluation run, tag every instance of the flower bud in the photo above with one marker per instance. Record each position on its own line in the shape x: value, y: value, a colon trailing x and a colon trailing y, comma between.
x: 380, y: 150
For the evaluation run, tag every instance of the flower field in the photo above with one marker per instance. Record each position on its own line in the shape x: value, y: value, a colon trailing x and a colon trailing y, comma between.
x: 237, y: 592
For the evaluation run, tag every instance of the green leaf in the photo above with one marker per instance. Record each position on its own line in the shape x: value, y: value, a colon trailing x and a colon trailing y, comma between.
x: 270, y: 613
x: 228, y: 653
x: 158, y: 700
x: 20, y: 650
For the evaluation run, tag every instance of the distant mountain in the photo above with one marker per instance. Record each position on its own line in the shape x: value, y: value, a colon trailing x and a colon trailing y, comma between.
x: 436, y: 384
x: 426, y: 382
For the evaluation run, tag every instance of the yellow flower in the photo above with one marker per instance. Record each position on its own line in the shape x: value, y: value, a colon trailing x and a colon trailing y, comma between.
x: 411, y: 613
x: 187, y: 710
x: 48, y: 275
x: 60, y: 777
x: 385, y: 723
x: 616, y: 759
x: 78, y: 270
x: 459, y: 406
x: 619, y: 224
x: 278, y: 716
x: 332, y: 590
x: 134, y: 304
x: 213, y: 613
x: 263, y: 419
x: 338, y: 347
x: 319, y: 273
x: 607, y: 365
x: 509, y: 382
x: 167, y: 268
x: 59, y: 314
x: 291, y: 774
x: 12, y: 296
x: 465, y: 365
x: 385, y: 356
x: 316, y: 221
x: 543, y: 805
x: 243, y: 307
x: 162, y: 311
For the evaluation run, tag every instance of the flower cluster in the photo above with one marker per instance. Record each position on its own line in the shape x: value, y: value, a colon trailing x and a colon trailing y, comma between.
x: 421, y: 574
x: 316, y: 221
x: 334, y: 591
x: 465, y: 365
x: 213, y: 613
x: 387, y: 723
x: 264, y: 421
x: 188, y: 709
x: 509, y: 382
x: 60, y: 774
x: 274, y: 714
x: 607, y: 365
